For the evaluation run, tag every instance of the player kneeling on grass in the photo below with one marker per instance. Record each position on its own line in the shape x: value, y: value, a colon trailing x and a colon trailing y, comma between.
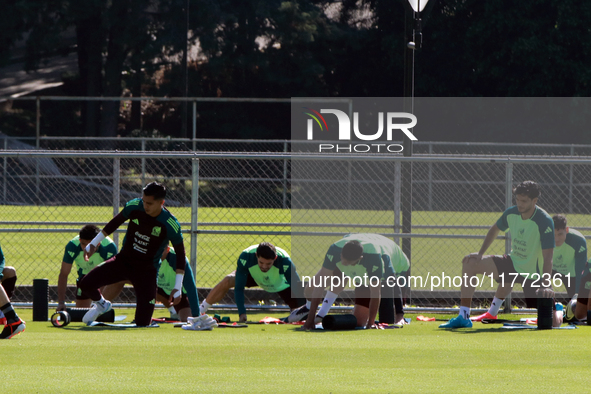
x: 189, y: 304
x: 74, y: 254
x: 14, y: 325
x: 357, y: 256
x: 532, y: 232
x: 151, y: 227
x: 262, y: 265
x: 569, y: 264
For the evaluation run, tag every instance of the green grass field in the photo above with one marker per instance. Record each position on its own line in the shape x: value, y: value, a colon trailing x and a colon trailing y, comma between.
x: 39, y: 255
x: 419, y: 358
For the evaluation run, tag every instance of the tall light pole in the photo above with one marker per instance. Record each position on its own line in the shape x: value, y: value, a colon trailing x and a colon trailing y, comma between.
x: 412, y: 40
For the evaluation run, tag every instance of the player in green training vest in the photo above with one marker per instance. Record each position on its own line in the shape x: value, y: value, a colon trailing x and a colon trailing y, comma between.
x: 189, y: 304
x: 532, y: 248
x: 361, y: 261
x: 570, y: 264
x: 74, y: 254
x: 263, y: 265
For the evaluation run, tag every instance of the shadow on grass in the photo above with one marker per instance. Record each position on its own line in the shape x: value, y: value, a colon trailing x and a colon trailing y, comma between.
x: 101, y: 328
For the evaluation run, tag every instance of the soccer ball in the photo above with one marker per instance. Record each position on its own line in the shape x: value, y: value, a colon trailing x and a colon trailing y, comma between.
x: 569, y: 310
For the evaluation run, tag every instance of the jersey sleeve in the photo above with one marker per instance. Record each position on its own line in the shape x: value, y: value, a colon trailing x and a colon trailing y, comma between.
x: 108, y: 250
x: 580, y: 261
x: 292, y: 278
x: 332, y: 257
x: 190, y: 288
x: 130, y: 207
x: 70, y: 253
x: 173, y: 229
x: 241, y: 276
x: 503, y: 223
x: 547, y: 239
x: 374, y: 264
x: 2, y: 262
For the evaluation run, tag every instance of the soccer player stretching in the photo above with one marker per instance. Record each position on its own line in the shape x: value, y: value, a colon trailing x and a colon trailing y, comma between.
x: 532, y: 241
x: 151, y: 227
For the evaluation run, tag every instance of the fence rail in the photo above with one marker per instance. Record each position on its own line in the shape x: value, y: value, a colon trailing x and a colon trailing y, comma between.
x: 293, y: 204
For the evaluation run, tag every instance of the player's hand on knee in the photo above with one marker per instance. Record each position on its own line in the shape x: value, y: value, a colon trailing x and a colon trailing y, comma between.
x: 242, y: 318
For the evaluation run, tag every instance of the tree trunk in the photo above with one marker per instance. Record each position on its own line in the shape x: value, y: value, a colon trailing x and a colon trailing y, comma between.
x: 90, y: 45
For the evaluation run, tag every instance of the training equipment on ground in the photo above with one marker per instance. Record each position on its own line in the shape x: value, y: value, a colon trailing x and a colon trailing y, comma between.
x: 486, y: 315
x: 298, y: 314
x: 60, y: 319
x: 425, y: 318
x: 76, y: 315
x: 569, y: 310
x: 339, y: 322
x: 457, y: 322
x: 201, y: 323
x: 545, y: 313
x: 40, y: 299
x: 121, y: 325
x: 518, y: 326
x: 96, y: 310
x: 13, y: 329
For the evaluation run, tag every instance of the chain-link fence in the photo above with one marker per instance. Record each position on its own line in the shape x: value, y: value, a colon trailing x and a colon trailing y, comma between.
x: 229, y: 201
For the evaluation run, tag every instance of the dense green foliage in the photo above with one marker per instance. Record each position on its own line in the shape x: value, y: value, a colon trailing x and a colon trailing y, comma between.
x: 277, y: 48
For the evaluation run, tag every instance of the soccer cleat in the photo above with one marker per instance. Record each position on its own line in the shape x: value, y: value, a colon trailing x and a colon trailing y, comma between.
x: 96, y: 311
x: 457, y: 322
x: 484, y: 316
x: 3, y: 321
x: 318, y: 319
x: 298, y: 314
x: 12, y: 329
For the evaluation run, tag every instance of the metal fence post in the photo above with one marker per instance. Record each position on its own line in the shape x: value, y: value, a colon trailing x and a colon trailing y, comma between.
x: 430, y: 184
x: 397, y: 188
x: 194, y: 125
x: 570, y: 182
x: 37, y: 145
x: 508, y: 203
x: 143, y: 162
x: 116, y: 193
x: 194, y: 215
x: 5, y: 171
x: 285, y: 177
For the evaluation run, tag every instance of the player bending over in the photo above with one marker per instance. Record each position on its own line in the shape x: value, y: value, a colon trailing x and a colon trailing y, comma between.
x: 151, y: 226
x: 74, y: 255
x: 357, y: 255
x: 263, y: 265
x: 189, y: 304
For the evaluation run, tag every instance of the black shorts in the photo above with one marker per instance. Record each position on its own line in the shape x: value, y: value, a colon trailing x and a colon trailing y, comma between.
x: 181, y: 305
x: 505, y: 266
x: 362, y: 296
x: 583, y: 290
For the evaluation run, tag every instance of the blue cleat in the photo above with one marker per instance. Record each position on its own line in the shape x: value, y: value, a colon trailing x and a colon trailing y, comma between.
x: 457, y: 322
